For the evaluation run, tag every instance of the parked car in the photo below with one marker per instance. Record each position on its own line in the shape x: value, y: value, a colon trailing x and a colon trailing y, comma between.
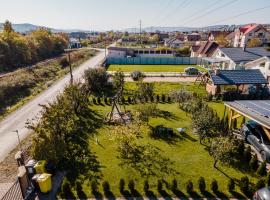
x: 192, y: 71
x: 255, y: 135
x: 262, y: 194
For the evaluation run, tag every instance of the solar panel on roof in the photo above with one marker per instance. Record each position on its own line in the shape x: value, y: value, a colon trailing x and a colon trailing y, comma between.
x: 238, y: 77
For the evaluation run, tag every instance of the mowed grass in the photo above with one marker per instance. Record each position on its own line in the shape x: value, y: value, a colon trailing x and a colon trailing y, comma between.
x: 152, y: 68
x: 188, y: 159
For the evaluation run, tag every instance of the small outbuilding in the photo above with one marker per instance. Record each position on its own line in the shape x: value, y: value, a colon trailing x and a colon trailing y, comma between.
x: 239, y: 80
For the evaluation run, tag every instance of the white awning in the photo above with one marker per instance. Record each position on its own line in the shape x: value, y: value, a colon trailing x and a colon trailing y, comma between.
x: 215, y: 60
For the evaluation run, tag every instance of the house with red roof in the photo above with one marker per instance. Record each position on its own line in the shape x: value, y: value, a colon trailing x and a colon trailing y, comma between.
x: 205, y: 49
x: 244, y: 34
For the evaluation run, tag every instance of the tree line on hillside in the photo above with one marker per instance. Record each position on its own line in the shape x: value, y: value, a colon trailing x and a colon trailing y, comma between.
x: 17, y: 50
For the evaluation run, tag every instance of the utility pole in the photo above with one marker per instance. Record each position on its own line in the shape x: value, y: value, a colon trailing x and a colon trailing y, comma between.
x: 70, y: 66
x: 140, y: 31
x: 19, y: 141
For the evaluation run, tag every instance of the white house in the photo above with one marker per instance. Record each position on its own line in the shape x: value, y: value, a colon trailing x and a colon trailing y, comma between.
x: 263, y: 64
x: 237, y: 58
x: 174, y: 43
x: 244, y: 34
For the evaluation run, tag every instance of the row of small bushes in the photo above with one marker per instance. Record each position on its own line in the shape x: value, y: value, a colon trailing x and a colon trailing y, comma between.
x: 132, y: 100
x: 244, y: 184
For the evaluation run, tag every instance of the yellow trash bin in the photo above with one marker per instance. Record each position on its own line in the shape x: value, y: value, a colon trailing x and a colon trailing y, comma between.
x: 40, y: 167
x: 45, y: 182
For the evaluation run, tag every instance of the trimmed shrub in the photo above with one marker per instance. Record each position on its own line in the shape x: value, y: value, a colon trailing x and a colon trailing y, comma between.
x: 131, y: 185
x: 129, y: 100
x: 146, y: 186
x: 163, y: 98
x: 66, y: 189
x: 214, y: 186
x: 146, y: 99
x: 123, y: 100
x: 261, y: 171
x: 202, y: 185
x: 121, y: 185
x: 231, y: 185
x: 94, y: 187
x: 79, y: 190
x: 137, y: 75
x: 189, y: 187
x: 247, y: 154
x: 174, y: 185
x: 106, y: 187
x: 99, y: 100
x: 157, y: 98
x: 159, y: 185
x: 244, y: 184
x: 260, y: 184
x: 253, y: 164
x: 105, y: 100
x: 94, y: 101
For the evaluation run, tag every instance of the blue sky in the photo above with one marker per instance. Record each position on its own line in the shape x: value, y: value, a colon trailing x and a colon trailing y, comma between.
x: 120, y: 14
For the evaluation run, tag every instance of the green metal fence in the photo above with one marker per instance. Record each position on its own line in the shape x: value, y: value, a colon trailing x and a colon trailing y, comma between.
x: 154, y: 61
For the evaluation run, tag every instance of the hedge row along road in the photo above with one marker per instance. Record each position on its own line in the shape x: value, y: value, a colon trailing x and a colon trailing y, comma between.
x: 17, y: 120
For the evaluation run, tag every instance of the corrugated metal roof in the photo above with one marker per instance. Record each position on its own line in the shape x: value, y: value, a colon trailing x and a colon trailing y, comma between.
x: 238, y: 77
x: 257, y: 110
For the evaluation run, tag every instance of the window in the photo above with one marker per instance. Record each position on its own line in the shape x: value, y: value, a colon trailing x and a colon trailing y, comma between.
x: 260, y: 35
x: 262, y: 64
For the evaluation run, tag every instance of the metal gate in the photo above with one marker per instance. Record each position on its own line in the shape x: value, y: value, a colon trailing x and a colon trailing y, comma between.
x: 14, y: 192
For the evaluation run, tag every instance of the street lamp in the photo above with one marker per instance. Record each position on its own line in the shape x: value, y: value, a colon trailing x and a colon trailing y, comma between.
x: 70, y: 67
x: 19, y: 141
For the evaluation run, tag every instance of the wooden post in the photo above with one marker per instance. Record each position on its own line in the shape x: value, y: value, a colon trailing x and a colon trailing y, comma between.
x: 230, y: 117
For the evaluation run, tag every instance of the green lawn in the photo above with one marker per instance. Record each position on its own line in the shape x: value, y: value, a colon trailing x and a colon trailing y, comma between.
x: 187, y: 158
x: 152, y: 68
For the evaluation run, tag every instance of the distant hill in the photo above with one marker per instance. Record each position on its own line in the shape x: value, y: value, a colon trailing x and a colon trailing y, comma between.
x: 180, y: 29
x: 26, y: 27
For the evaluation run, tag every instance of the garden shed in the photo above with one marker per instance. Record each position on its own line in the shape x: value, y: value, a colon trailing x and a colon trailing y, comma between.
x: 217, y: 81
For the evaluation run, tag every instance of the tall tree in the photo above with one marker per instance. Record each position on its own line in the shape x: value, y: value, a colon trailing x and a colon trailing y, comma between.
x: 8, y: 27
x: 225, y: 149
x: 254, y: 42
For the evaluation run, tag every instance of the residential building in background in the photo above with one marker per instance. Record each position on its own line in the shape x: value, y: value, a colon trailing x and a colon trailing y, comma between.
x: 245, y: 34
x: 237, y: 58
x: 205, y: 49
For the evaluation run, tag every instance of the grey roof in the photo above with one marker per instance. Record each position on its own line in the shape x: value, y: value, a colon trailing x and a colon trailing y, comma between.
x: 239, y: 55
x: 258, y: 110
x: 238, y: 77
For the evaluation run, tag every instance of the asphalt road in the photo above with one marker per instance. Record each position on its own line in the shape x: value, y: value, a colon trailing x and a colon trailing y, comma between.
x: 17, y: 119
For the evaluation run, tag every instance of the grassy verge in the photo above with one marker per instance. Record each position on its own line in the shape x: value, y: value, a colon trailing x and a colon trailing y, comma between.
x: 152, y: 68
x: 24, y: 84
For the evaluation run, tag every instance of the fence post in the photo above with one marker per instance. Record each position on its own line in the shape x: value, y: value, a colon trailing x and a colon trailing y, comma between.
x: 23, y: 180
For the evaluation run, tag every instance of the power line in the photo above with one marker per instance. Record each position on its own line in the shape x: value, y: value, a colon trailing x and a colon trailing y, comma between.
x: 241, y: 14
x: 182, y: 4
x: 203, y: 9
x: 210, y: 11
x: 162, y: 11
